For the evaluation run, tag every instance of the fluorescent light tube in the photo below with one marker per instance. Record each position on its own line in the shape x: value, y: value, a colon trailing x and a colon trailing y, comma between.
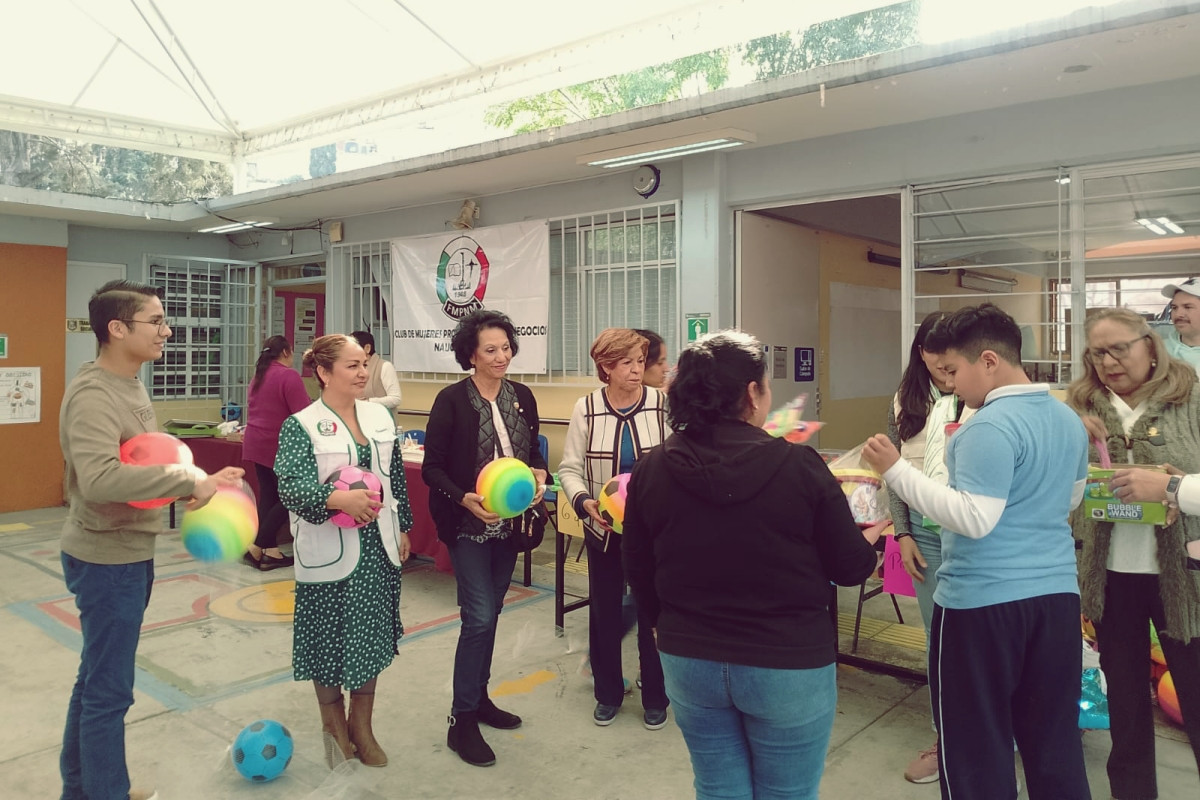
x: 1151, y: 226
x: 1169, y: 225
x: 667, y: 148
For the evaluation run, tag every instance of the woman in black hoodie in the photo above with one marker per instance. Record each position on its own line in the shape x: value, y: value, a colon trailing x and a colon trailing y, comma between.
x: 731, y: 540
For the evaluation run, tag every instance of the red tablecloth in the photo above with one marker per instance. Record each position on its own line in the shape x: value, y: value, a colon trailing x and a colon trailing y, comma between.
x: 212, y: 454
x: 423, y: 534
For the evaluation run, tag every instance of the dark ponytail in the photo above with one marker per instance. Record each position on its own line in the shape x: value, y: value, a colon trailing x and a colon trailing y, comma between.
x: 276, y: 346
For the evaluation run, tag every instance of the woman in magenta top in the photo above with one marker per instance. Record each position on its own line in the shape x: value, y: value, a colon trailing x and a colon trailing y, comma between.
x: 276, y: 393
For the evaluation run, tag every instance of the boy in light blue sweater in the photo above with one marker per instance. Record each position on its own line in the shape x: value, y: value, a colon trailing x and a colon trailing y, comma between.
x: 1004, y: 653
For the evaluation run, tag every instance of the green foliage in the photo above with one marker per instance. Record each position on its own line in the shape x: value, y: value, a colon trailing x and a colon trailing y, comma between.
x: 42, y: 162
x: 643, y: 87
x: 322, y: 161
x: 879, y: 30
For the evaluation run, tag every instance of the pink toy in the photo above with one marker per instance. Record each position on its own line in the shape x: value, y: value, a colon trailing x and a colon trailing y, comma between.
x: 347, y: 479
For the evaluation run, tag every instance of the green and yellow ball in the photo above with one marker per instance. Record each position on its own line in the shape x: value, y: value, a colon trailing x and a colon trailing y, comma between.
x: 223, y: 528
x: 507, y: 486
x: 612, y: 501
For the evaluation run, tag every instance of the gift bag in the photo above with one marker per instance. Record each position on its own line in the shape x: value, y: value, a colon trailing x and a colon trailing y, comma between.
x: 1093, y: 702
x: 896, y: 579
x: 864, y: 488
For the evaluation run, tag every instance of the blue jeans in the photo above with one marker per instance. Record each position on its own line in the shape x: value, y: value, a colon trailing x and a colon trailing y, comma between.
x: 112, y: 600
x: 753, y: 733
x: 931, y: 550
x: 483, y: 571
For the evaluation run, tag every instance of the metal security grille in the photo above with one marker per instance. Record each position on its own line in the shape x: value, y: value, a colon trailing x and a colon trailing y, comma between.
x: 369, y: 270
x: 610, y: 268
x: 1004, y: 241
x: 1048, y: 247
x: 212, y: 306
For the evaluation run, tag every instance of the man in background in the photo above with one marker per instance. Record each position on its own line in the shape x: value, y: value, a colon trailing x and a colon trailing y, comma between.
x: 1184, y: 342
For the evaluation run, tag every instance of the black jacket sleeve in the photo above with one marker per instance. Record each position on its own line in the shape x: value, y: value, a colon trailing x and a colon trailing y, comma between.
x: 440, y: 443
x: 637, y: 545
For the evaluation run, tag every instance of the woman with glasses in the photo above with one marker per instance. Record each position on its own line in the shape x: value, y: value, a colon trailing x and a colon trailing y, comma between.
x: 1144, y: 407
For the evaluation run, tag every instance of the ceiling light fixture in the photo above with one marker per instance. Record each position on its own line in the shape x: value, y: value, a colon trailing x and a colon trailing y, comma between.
x: 1152, y: 226
x: 638, y: 154
x: 1169, y: 225
x: 234, y: 227
x: 982, y: 282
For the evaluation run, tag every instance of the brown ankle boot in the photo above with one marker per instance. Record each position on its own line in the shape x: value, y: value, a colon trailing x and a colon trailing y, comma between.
x: 337, y: 739
x: 369, y: 751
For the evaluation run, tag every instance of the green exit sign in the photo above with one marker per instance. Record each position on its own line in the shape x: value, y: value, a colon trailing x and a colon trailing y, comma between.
x: 697, y: 326
x: 3, y: 345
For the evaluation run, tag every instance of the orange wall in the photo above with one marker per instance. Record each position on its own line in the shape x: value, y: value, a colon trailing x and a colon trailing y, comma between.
x: 33, y: 309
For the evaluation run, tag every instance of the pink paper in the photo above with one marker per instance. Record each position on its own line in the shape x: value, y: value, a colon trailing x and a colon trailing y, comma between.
x: 895, y: 579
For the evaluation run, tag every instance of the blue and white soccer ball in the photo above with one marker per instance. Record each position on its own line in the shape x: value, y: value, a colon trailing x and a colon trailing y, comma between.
x: 262, y: 751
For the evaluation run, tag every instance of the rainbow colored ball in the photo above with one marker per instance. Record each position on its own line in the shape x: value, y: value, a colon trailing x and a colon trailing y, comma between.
x: 223, y: 528
x: 347, y: 479
x: 1168, y: 700
x: 154, y: 448
x: 612, y: 501
x: 507, y: 486
x: 262, y: 751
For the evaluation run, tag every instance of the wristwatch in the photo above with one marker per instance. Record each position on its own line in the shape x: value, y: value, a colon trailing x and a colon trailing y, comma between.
x: 1173, y: 489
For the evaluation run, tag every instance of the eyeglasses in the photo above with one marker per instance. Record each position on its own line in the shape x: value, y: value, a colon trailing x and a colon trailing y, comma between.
x: 1119, y: 351
x: 162, y: 324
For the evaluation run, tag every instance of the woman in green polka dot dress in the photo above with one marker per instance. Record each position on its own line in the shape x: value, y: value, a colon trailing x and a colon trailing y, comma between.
x: 347, y: 622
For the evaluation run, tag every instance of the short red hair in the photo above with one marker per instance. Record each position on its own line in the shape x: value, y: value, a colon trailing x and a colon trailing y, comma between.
x: 612, y: 345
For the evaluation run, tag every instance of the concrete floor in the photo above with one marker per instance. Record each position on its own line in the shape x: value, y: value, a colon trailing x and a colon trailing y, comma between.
x: 215, y: 656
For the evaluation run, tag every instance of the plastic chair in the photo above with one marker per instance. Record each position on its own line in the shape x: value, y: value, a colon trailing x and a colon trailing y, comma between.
x: 544, y: 446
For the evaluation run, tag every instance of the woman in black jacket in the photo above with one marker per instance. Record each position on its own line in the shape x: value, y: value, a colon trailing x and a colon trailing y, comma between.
x: 731, y: 540
x: 471, y: 423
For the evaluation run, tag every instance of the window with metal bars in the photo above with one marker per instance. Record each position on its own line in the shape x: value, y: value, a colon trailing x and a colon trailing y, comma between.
x: 1004, y: 241
x: 212, y: 308
x: 611, y: 268
x: 1048, y: 247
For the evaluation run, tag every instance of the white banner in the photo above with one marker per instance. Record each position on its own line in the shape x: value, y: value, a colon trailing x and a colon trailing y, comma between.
x: 440, y: 278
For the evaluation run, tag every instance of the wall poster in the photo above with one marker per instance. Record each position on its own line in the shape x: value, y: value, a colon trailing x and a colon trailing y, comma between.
x: 20, y: 395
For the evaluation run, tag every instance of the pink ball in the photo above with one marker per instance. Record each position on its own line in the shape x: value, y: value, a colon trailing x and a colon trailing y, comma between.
x: 154, y: 448
x: 347, y: 479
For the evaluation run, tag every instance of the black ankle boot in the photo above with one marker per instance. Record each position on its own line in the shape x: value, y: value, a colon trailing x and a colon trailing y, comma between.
x: 465, y: 739
x: 496, y: 717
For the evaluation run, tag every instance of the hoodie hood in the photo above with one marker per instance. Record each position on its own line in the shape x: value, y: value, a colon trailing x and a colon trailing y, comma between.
x: 728, y: 463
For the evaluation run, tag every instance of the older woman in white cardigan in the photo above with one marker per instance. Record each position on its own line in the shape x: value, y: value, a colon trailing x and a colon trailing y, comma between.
x: 610, y: 430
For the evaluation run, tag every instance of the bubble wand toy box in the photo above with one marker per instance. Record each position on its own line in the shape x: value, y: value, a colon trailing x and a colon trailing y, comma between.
x: 1100, y: 504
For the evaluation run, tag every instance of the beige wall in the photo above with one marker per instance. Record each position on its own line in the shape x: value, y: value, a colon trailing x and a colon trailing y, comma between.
x: 555, y: 404
x: 843, y: 259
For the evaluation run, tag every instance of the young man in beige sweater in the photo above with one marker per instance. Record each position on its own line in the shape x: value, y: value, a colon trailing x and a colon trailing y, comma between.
x: 107, y: 544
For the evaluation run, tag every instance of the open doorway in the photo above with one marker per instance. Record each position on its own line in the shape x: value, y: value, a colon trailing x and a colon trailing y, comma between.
x: 294, y: 303
x: 819, y: 284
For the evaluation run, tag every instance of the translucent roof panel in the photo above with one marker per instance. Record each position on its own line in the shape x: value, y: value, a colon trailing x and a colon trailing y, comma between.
x: 289, y: 90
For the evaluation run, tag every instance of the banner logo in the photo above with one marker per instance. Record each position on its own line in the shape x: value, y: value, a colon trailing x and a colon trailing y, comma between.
x: 462, y: 276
